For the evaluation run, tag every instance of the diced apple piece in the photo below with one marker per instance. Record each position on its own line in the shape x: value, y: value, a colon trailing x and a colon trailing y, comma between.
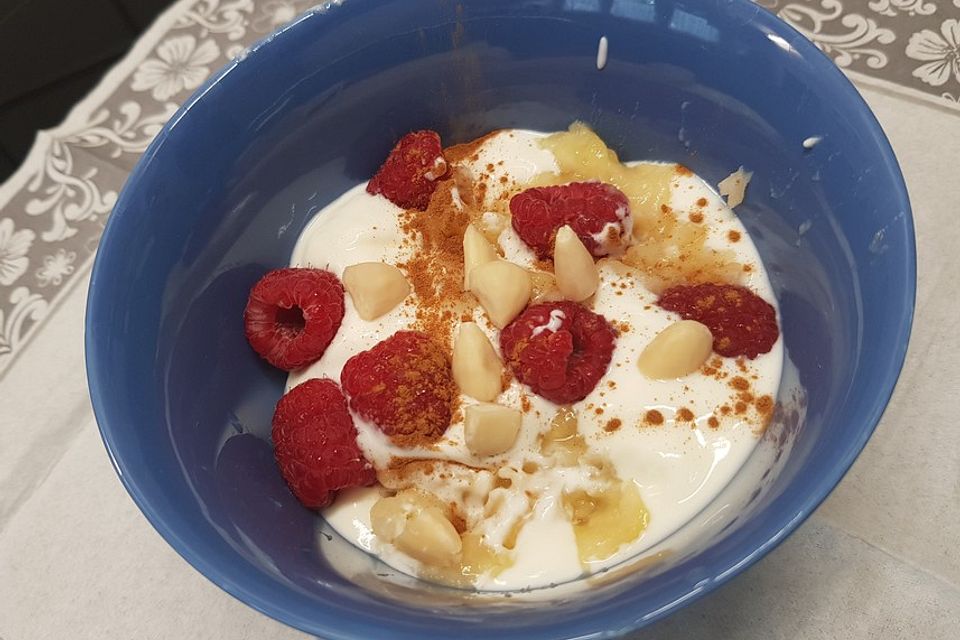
x: 734, y: 186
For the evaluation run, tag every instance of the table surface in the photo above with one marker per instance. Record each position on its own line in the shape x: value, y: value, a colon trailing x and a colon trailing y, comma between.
x: 879, y: 559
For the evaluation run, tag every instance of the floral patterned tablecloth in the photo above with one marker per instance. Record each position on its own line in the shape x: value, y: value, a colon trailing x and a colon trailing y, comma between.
x: 890, y: 532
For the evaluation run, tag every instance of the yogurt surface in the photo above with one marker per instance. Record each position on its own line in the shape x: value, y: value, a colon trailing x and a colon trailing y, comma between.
x: 675, y: 443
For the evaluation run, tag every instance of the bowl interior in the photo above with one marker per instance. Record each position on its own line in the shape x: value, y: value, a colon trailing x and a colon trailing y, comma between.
x: 221, y: 196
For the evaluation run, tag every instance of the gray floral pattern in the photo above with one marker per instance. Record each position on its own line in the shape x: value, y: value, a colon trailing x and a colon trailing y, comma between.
x: 896, y: 7
x: 180, y: 64
x: 912, y: 46
x: 860, y: 38
x: 56, y: 267
x: 53, y: 210
x: 940, y: 53
x: 14, y: 246
x: 275, y: 13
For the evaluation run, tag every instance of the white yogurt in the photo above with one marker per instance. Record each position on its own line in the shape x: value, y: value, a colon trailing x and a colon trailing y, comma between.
x: 678, y: 467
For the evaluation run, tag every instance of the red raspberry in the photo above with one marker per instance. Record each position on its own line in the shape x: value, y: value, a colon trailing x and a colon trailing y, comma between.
x: 409, y: 175
x: 315, y: 443
x: 742, y: 323
x: 558, y: 349
x: 598, y: 213
x: 292, y: 315
x: 404, y: 385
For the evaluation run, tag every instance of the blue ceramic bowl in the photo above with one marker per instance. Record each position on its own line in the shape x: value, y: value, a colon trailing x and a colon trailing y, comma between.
x: 219, y: 198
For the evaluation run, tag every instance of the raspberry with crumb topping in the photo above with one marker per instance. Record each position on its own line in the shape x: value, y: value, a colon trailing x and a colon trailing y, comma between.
x: 742, y: 323
x: 315, y: 443
x: 598, y: 213
x: 409, y: 175
x: 558, y: 349
x: 404, y: 385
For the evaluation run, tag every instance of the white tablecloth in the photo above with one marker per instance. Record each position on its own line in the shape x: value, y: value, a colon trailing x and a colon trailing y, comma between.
x: 880, y: 559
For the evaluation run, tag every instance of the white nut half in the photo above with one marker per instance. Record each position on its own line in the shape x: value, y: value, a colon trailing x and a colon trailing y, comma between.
x: 503, y: 290
x: 490, y: 429
x: 476, y: 368
x: 375, y: 288
x: 476, y: 251
x: 678, y: 350
x: 388, y: 517
x: 430, y: 538
x: 577, y: 276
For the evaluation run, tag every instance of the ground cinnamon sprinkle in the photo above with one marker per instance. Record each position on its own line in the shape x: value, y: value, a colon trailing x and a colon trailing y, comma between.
x: 612, y: 425
x: 733, y: 235
x: 435, y: 270
x: 525, y: 404
x: 713, y: 422
x: 419, y: 424
x: 739, y: 383
x: 543, y: 264
x: 684, y: 415
x: 481, y: 191
x: 409, y: 473
x: 397, y: 474
x: 702, y: 202
x: 696, y: 217
x: 654, y: 417
x: 458, y: 152
x: 764, y: 406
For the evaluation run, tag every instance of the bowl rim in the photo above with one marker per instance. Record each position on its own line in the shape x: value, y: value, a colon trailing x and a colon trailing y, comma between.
x: 727, y: 566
